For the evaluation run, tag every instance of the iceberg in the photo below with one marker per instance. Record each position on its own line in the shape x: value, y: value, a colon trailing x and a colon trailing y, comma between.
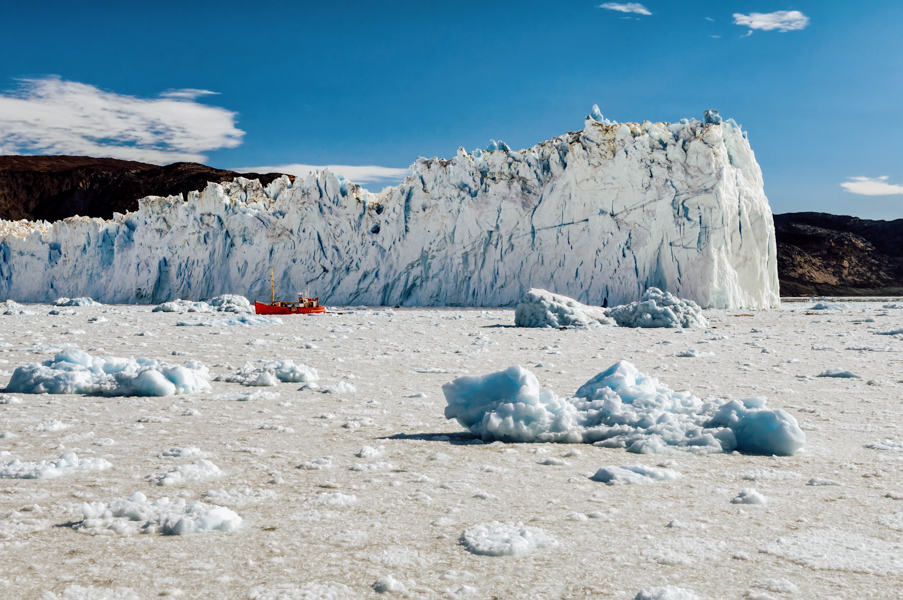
x: 600, y: 215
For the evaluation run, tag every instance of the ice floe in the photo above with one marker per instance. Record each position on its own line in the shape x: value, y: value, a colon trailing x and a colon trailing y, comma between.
x: 505, y: 539
x: 634, y: 474
x: 620, y: 407
x: 268, y: 373
x: 199, y: 470
x: 73, y: 371
x: 83, y: 301
x: 225, y: 303
x: 167, y: 516
x: 68, y: 462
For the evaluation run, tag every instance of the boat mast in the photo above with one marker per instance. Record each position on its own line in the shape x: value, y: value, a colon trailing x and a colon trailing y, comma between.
x: 273, y: 286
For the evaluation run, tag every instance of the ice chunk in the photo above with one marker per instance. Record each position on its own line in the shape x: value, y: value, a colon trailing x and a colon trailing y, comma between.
x: 73, y: 371
x: 199, y: 470
x: 124, y: 516
x: 658, y: 309
x: 68, y: 462
x: 711, y: 116
x: 749, y: 496
x: 668, y: 592
x: 838, y: 373
x: 269, y: 373
x: 505, y: 539
x: 619, y: 407
x: 634, y: 474
x: 541, y: 308
x: 84, y: 301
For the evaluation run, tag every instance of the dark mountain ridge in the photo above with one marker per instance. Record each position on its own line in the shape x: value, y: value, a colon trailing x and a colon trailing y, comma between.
x: 51, y: 188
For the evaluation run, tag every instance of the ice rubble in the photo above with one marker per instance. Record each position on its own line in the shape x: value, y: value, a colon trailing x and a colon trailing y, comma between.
x: 84, y: 301
x: 541, y: 308
x: 136, y: 513
x: 505, y: 539
x: 267, y: 373
x: 232, y: 303
x: 598, y: 214
x: 619, y: 407
x: 658, y: 309
x: 68, y: 462
x: 668, y: 592
x: 73, y: 371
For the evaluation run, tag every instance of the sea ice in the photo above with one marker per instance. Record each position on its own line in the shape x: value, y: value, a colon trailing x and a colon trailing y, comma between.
x: 619, y: 407
x: 124, y: 516
x: 541, y: 308
x: 838, y: 373
x: 68, y: 462
x: 634, y: 474
x: 505, y: 539
x: 72, y: 371
x: 225, y: 303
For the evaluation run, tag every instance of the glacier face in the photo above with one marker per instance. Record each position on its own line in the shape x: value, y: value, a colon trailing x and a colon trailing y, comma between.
x: 599, y: 215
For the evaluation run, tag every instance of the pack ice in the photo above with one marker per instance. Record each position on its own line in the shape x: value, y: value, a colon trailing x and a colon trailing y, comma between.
x: 619, y: 407
x: 600, y: 215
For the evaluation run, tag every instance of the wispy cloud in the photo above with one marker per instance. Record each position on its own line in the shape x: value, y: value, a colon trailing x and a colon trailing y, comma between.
x: 53, y: 116
x: 872, y: 186
x: 626, y: 7
x: 781, y: 20
x: 356, y: 173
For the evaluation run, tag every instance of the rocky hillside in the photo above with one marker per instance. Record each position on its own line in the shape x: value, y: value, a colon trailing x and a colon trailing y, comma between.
x: 56, y: 187
x: 836, y: 255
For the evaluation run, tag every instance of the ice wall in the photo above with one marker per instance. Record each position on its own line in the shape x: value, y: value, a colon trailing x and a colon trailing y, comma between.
x: 599, y: 215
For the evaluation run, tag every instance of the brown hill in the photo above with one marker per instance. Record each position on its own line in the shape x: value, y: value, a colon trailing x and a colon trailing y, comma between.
x: 837, y: 255
x: 56, y: 187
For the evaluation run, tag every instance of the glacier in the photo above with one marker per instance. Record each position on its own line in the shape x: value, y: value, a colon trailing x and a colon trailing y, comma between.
x: 599, y: 215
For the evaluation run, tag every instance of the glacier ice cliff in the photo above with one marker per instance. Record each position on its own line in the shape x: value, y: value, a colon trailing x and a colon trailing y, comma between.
x: 599, y: 214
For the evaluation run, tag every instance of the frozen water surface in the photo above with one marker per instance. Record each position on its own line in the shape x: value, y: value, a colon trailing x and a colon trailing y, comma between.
x: 363, y: 493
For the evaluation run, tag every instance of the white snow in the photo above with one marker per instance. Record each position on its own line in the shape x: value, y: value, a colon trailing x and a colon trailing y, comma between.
x: 68, y: 462
x: 124, y: 516
x: 634, y: 474
x: 505, y: 539
x: 598, y: 214
x: 619, y: 407
x: 73, y: 371
x: 541, y: 308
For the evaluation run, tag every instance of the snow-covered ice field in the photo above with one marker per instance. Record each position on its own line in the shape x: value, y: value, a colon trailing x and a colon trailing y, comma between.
x: 341, y: 477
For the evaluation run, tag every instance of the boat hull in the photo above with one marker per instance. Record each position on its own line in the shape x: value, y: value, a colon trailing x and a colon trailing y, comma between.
x: 270, y: 309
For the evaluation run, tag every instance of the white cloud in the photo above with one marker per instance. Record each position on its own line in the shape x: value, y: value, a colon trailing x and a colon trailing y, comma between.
x: 54, y: 116
x: 355, y: 173
x: 872, y: 186
x: 626, y: 7
x: 782, y: 20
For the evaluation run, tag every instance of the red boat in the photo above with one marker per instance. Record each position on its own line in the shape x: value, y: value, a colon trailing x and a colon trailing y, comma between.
x: 304, y: 305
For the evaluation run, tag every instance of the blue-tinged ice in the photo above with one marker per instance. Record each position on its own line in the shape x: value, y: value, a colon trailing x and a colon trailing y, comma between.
x: 620, y: 407
x: 712, y: 116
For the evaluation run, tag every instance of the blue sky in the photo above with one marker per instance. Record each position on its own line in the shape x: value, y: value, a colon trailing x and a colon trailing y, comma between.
x: 379, y: 84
